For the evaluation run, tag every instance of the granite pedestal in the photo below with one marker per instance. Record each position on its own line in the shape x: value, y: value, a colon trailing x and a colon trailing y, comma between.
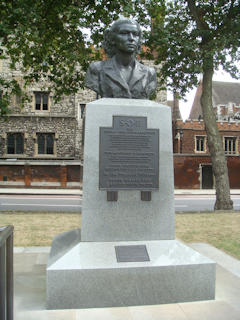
x: 89, y: 276
x: 84, y: 271
x: 129, y: 218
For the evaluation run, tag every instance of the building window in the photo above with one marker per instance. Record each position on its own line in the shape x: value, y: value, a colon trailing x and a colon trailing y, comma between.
x: 230, y: 145
x: 41, y: 101
x: 15, y: 143
x: 82, y: 110
x: 200, y: 144
x: 45, y: 143
x: 18, y: 99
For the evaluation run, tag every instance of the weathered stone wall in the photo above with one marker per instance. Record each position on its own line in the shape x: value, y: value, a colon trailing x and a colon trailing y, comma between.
x: 63, y: 118
x: 63, y: 128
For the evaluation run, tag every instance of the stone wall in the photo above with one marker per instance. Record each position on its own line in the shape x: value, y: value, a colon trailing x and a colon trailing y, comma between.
x: 64, y: 119
x: 64, y: 130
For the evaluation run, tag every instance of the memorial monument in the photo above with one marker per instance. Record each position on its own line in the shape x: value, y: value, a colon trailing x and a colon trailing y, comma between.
x: 122, y: 76
x: 126, y: 253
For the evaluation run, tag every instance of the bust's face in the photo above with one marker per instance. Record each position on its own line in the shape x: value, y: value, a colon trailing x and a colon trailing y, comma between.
x: 127, y: 38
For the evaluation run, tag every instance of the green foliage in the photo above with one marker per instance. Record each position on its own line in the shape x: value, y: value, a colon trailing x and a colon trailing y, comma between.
x: 192, y: 37
x: 187, y: 32
x: 49, y: 40
x: 8, y: 89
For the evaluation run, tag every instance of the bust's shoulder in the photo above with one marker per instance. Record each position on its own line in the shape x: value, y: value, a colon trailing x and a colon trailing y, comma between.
x: 150, y: 70
x: 95, y: 66
x: 99, y: 66
x: 147, y: 69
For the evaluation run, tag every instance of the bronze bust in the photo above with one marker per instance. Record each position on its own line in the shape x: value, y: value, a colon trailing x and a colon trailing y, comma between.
x: 122, y: 76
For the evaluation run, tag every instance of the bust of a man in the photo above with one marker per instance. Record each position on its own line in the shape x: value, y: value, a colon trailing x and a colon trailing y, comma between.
x: 122, y: 76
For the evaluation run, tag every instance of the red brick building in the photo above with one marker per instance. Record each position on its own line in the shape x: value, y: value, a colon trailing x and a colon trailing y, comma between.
x: 192, y: 162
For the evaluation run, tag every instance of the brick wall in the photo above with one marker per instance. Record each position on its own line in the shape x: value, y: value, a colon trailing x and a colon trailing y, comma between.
x: 187, y: 171
x: 192, y: 128
x: 45, y: 175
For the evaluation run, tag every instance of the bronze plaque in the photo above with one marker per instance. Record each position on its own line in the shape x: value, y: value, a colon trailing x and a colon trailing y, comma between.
x: 129, y: 155
x: 133, y: 253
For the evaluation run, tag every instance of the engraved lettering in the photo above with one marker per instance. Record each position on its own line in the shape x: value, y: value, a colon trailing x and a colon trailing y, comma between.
x: 129, y: 155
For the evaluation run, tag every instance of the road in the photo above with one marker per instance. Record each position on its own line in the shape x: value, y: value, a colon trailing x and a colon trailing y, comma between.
x: 73, y: 203
x: 200, y: 202
x: 40, y: 203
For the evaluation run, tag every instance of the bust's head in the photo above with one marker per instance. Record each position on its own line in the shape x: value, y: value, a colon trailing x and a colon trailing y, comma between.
x: 118, y: 30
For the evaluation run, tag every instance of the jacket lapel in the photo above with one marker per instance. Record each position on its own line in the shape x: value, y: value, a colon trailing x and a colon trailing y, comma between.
x: 112, y: 72
x: 138, y: 74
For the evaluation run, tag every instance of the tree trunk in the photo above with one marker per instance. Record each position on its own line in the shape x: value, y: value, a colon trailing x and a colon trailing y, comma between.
x: 215, y: 144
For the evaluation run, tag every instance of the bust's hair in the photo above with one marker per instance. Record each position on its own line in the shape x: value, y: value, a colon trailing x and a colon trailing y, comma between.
x: 109, y: 35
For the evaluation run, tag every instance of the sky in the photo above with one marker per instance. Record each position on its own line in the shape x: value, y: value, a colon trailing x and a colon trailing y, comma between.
x: 185, y: 107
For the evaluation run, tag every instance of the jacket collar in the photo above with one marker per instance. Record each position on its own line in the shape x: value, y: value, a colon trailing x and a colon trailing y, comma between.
x: 112, y: 71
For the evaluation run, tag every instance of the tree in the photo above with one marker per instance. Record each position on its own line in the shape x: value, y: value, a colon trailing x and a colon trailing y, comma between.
x: 46, y: 39
x: 192, y: 37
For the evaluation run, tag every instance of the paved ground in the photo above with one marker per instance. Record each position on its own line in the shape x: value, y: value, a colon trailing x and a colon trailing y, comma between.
x: 79, y: 192
x: 30, y: 290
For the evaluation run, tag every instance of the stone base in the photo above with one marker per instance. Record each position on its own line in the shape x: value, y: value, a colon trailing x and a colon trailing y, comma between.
x: 89, y: 276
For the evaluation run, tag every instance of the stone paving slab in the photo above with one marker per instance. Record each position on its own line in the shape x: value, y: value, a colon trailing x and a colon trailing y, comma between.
x: 224, y: 260
x: 216, y: 310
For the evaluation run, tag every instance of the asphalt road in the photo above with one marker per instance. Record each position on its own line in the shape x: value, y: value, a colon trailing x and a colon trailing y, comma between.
x: 73, y: 203
x: 40, y: 203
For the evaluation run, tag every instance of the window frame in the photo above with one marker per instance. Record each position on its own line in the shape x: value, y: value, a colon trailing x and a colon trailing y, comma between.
x: 15, y: 147
x: 45, y: 136
x: 234, y: 140
x: 82, y: 108
x: 204, y: 143
x: 42, y: 95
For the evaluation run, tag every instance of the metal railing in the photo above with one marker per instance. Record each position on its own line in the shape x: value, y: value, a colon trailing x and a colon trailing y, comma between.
x: 6, y: 273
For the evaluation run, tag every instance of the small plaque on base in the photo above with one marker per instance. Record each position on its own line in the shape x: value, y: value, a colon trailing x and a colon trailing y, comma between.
x: 136, y: 253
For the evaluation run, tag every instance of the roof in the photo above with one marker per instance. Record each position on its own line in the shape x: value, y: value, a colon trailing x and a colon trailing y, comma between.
x: 222, y: 94
x: 225, y: 92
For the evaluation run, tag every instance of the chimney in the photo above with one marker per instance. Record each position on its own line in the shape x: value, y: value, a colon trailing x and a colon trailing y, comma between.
x: 175, y: 111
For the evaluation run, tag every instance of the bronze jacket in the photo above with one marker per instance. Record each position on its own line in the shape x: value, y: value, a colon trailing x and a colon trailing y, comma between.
x: 104, y: 78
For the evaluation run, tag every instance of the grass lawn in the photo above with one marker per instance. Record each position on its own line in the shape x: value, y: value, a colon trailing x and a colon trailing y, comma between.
x: 221, y: 230
x: 38, y: 229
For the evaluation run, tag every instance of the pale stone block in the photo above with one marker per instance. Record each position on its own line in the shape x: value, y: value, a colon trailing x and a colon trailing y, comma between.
x: 89, y: 276
x: 129, y: 218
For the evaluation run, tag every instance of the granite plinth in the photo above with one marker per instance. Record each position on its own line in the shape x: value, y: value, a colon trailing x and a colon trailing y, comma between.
x: 89, y: 276
x: 84, y: 271
x: 129, y: 218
